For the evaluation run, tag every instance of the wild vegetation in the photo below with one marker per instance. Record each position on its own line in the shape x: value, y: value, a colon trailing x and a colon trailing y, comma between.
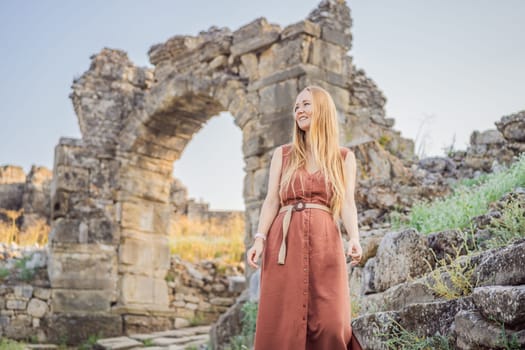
x: 196, y: 240
x: 469, y: 198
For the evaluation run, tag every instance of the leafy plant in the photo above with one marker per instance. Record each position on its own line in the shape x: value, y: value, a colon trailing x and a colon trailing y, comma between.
x: 401, y: 338
x: 453, y: 275
x: 509, y: 227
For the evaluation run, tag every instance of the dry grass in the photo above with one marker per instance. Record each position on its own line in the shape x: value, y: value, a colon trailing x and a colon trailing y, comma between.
x: 196, y: 240
x: 37, y: 233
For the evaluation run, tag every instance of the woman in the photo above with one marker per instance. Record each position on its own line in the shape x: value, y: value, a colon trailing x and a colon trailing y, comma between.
x: 304, y: 296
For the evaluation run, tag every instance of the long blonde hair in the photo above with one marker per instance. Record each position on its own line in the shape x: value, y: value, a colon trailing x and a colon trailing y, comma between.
x: 324, y: 143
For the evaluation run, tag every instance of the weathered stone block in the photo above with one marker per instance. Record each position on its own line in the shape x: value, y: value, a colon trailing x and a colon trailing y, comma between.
x: 254, y: 35
x: 74, y: 301
x: 71, y: 179
x: 23, y: 291
x: 306, y: 27
x: 502, y: 266
x: 327, y: 56
x: 68, y: 231
x: 506, y: 304
x: 146, y: 324
x: 16, y: 304
x: 400, y: 256
x: 279, y: 97
x: 145, y: 216
x: 18, y: 328
x: 102, y: 230
x: 144, y: 253
x: 474, y: 332
x: 77, y: 156
x: 74, y: 329
x: 249, y: 65
x: 337, y: 37
x: 37, y: 308
x: 145, y: 184
x: 42, y: 293
x: 283, y: 55
x: 83, y: 267
x: 137, y: 289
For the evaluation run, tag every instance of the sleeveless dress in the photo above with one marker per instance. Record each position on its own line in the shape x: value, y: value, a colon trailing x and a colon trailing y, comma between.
x: 305, y: 303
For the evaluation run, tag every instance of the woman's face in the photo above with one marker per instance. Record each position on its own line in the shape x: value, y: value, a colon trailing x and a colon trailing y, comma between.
x: 303, y: 110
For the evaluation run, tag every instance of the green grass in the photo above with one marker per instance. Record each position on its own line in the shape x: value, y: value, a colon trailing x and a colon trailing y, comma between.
x: 468, y: 199
x: 7, y: 344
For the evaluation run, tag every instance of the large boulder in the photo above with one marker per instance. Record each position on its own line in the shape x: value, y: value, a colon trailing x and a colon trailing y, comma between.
x: 502, y: 266
x: 474, y: 332
x: 401, y: 256
x: 505, y: 304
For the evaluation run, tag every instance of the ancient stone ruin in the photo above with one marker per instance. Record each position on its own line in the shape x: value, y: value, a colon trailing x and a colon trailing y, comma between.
x: 112, y: 195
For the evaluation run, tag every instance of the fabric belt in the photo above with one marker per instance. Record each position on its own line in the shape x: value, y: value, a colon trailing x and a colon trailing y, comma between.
x: 286, y: 222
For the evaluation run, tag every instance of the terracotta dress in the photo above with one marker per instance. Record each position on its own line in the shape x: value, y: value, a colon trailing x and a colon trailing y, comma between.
x: 305, y: 303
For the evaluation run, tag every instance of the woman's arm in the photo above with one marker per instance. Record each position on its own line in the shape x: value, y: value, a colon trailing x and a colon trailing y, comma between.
x: 349, y: 211
x: 270, y: 205
x: 269, y: 208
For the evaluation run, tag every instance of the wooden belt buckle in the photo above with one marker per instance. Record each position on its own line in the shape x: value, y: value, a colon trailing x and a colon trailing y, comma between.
x: 299, y: 206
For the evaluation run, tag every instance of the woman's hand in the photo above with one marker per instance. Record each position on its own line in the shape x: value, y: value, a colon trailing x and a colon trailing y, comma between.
x: 354, y: 251
x: 255, y: 252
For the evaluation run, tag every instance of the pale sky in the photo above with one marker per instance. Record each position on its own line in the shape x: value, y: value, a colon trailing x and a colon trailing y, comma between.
x: 447, y: 68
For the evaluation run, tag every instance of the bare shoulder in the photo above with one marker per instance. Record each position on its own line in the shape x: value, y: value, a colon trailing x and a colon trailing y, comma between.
x: 278, y: 154
x: 348, y: 154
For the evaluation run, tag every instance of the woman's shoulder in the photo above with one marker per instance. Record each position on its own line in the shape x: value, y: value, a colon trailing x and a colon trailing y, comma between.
x: 286, y: 148
x: 345, y: 151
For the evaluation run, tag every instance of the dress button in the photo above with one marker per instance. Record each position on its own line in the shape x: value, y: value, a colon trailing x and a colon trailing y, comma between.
x: 305, y: 281
x: 304, y: 293
x: 304, y: 305
x: 304, y: 269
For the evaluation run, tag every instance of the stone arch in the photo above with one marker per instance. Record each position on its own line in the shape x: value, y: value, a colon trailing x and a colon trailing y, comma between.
x: 110, y: 211
x: 159, y: 133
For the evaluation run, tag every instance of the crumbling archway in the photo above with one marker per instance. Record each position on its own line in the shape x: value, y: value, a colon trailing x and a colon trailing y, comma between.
x: 110, y: 215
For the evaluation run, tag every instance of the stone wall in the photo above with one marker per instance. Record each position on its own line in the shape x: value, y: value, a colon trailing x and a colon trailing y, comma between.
x: 198, y: 294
